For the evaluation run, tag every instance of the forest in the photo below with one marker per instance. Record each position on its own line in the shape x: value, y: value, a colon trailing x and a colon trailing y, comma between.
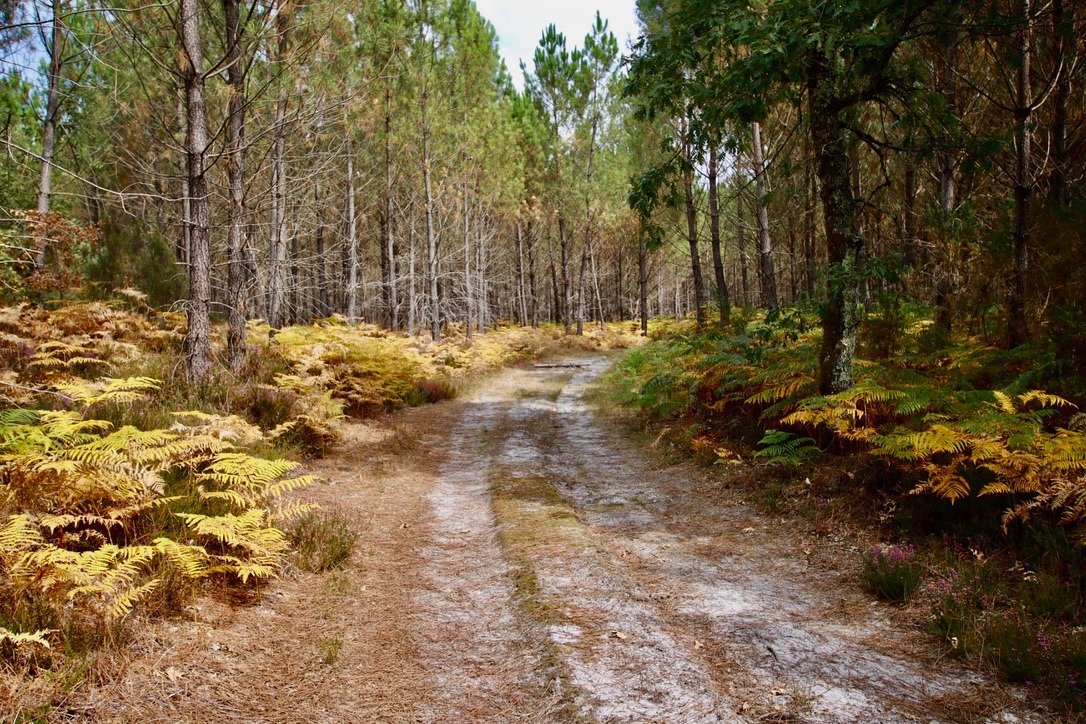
x: 833, y: 251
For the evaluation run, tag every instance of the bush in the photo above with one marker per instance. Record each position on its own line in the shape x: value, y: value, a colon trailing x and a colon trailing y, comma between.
x: 322, y: 541
x: 429, y: 391
x: 892, y: 573
x: 268, y: 406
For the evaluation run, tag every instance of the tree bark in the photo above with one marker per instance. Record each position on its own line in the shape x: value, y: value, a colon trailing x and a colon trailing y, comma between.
x: 411, y: 271
x: 468, y: 301
x: 1063, y: 28
x: 49, y: 125
x: 722, y: 298
x: 944, y: 272
x: 643, y: 282
x: 844, y: 242
x: 909, y: 211
x: 388, y: 251
x: 352, y: 239
x: 431, y: 239
x: 532, y: 285
x: 198, y: 335
x: 277, y: 282
x: 1017, y: 327
x: 323, y: 307
x: 522, y: 301
x: 741, y: 246
x: 766, y: 272
x: 692, y: 227
x: 236, y: 292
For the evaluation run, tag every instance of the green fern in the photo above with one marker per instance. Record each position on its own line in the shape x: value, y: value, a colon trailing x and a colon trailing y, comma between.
x: 782, y: 447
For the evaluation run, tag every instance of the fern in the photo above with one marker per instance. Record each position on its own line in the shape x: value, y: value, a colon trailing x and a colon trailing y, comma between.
x: 783, y: 447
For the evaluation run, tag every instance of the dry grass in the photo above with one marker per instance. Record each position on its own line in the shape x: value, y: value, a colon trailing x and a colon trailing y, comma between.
x: 336, y: 645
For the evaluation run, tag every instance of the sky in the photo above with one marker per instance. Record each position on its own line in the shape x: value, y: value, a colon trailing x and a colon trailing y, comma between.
x: 520, y: 23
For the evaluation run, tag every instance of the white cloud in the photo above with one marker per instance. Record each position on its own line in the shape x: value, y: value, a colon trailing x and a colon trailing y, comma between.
x: 520, y: 24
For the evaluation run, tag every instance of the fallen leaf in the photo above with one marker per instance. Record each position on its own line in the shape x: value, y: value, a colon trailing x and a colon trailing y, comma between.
x: 173, y: 673
x: 698, y: 645
x: 748, y: 530
x: 619, y: 635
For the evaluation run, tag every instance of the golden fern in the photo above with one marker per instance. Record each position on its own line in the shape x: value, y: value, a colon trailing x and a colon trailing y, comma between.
x: 20, y: 640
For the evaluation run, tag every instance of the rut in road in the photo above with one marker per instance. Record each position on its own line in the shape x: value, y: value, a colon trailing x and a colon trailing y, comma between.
x: 568, y: 563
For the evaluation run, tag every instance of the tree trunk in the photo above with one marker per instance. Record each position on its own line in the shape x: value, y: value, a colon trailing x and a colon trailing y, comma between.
x: 580, y: 287
x: 49, y: 125
x: 555, y: 304
x: 944, y: 271
x: 596, y: 286
x: 843, y: 240
x: 810, y: 272
x: 295, y: 282
x: 468, y: 302
x: 388, y: 250
x: 522, y: 301
x: 1063, y: 28
x: 643, y: 282
x: 1017, y: 327
x: 722, y: 299
x: 909, y: 211
x: 236, y: 293
x: 184, y: 249
x: 411, y: 272
x: 766, y: 272
x: 567, y: 290
x: 323, y: 307
x: 352, y: 239
x: 741, y: 245
x: 692, y: 228
x: 431, y: 239
x: 532, y: 286
x: 278, y: 247
x: 198, y: 335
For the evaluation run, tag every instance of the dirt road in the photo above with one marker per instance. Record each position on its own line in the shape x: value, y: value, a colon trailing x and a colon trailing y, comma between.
x: 519, y: 561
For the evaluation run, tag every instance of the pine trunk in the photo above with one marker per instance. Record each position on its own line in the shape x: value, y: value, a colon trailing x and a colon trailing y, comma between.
x: 1017, y: 327
x: 236, y: 292
x: 198, y: 335
x: 766, y: 273
x: 722, y: 299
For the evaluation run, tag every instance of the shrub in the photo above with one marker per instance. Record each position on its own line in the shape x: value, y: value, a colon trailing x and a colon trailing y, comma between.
x: 322, y: 541
x: 892, y: 572
x: 268, y: 406
x: 428, y: 391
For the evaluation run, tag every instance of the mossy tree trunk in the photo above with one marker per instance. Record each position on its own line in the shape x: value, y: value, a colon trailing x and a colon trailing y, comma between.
x: 830, y: 138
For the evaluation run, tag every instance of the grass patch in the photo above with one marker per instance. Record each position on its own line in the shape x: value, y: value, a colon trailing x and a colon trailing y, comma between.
x: 330, y: 650
x: 532, y: 516
x: 322, y: 541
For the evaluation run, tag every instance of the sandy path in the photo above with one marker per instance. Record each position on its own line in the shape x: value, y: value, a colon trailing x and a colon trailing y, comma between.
x: 518, y: 561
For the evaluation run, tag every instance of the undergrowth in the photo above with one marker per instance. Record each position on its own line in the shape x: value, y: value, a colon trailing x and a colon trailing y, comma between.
x: 322, y: 540
x: 127, y: 489
x: 941, y: 440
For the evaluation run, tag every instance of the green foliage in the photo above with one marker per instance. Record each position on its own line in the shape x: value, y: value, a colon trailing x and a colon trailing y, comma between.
x: 959, y: 422
x: 1027, y: 624
x: 781, y: 447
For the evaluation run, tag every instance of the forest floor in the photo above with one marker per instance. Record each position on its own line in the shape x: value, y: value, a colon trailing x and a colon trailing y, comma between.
x: 521, y: 559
